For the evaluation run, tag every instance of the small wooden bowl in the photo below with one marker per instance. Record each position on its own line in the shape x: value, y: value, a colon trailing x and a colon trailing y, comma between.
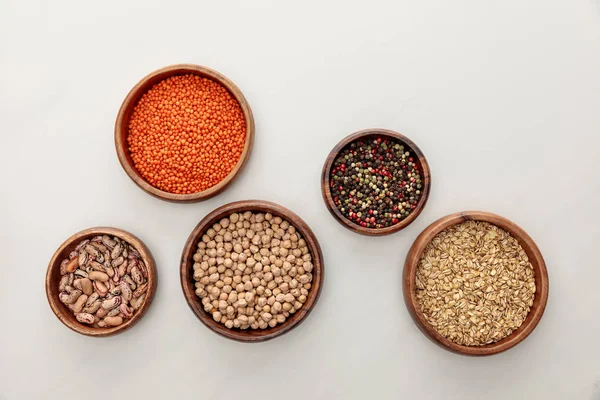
x: 532, y: 251
x: 134, y: 96
x: 53, y: 278
x: 421, y: 161
x: 187, y: 262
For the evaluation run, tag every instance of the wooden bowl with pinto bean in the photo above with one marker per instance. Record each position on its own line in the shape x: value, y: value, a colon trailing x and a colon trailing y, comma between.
x: 86, y: 285
x: 306, y: 240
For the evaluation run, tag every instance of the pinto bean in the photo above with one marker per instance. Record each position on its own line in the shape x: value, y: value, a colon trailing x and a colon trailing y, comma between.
x: 98, y: 276
x: 85, y: 318
x: 113, y: 321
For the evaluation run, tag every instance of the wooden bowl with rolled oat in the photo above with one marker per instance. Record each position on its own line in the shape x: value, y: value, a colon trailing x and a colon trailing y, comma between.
x: 101, y: 281
x: 475, y: 283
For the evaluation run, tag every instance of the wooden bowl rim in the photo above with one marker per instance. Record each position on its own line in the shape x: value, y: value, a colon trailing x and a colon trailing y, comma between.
x: 326, y: 191
x: 60, y: 310
x: 194, y: 302
x: 142, y: 87
x: 535, y: 257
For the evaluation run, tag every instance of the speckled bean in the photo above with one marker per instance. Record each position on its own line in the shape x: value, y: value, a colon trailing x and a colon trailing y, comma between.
x: 125, y: 291
x: 114, y: 312
x: 98, y: 276
x: 111, y: 303
x: 63, y: 283
x: 78, y: 305
x: 85, y: 318
x: 143, y: 269
x: 100, y: 288
x: 81, y: 273
x: 137, y: 276
x: 72, y: 264
x: 92, y: 298
x: 141, y: 290
x: 126, y: 311
x: 136, y: 303
x: 123, y: 268
x: 70, y: 298
x: 130, y: 282
x: 92, y: 308
x: 113, y: 321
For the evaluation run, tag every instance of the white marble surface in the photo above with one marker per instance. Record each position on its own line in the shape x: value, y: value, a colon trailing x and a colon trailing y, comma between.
x: 503, y: 98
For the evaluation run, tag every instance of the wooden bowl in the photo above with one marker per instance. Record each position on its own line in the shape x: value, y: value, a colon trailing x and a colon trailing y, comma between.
x: 122, y: 130
x: 187, y: 262
x: 532, y: 251
x: 421, y: 161
x: 53, y: 278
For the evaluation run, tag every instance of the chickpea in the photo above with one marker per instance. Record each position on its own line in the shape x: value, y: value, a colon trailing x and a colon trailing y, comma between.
x: 252, y: 270
x: 232, y: 298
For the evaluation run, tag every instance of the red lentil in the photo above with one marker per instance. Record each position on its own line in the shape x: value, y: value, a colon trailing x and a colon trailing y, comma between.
x: 186, y: 134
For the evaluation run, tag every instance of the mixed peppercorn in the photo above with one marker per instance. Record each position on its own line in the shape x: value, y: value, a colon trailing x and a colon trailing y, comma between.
x: 375, y: 182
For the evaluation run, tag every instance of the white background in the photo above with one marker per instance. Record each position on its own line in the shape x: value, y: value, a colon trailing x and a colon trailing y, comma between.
x: 502, y: 97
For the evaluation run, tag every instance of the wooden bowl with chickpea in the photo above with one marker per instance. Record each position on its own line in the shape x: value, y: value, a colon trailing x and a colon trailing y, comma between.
x: 251, y: 270
x: 184, y: 132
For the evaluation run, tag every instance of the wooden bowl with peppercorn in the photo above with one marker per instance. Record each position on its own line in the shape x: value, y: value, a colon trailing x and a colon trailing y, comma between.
x: 375, y: 182
x: 72, y: 263
x: 184, y: 132
x: 241, y: 289
x: 475, y: 283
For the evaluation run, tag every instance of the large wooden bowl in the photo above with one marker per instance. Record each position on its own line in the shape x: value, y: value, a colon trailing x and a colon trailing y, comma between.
x: 53, y: 278
x: 532, y: 251
x: 187, y: 262
x: 421, y: 161
x: 122, y: 130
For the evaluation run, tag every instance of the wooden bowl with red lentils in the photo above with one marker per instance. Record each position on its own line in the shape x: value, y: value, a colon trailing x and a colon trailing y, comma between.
x: 184, y: 132
x: 375, y: 182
